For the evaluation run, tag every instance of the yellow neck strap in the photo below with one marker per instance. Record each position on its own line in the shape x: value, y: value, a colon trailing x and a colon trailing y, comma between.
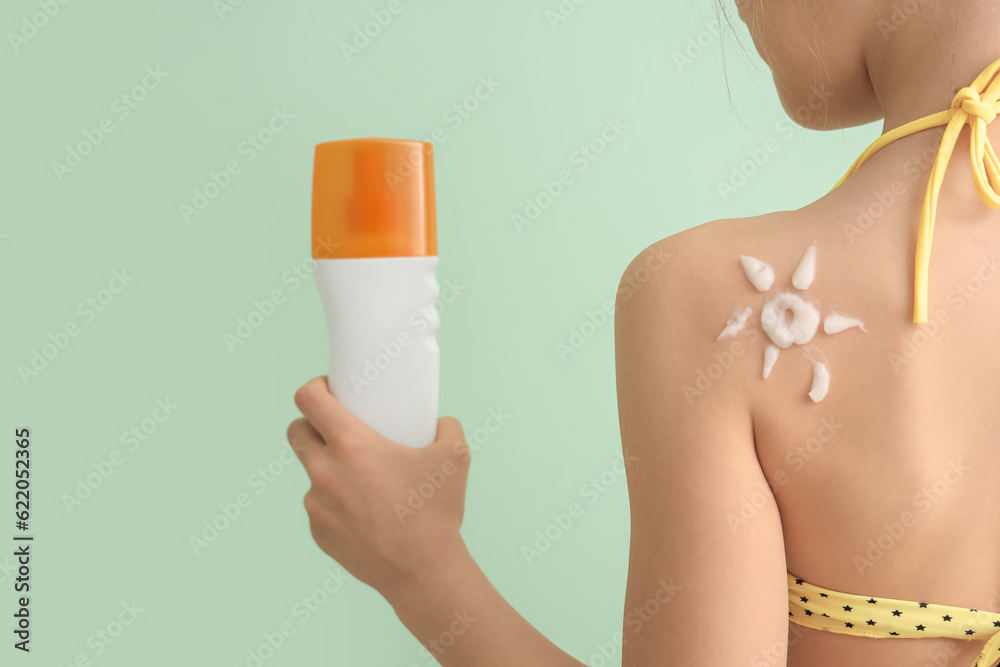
x: 977, y: 105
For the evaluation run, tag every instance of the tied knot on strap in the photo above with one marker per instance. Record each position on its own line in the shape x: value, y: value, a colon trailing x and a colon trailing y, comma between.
x: 971, y: 104
x: 968, y: 100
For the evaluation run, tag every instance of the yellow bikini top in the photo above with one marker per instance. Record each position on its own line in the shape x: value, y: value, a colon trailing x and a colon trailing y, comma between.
x: 863, y: 616
x: 975, y: 104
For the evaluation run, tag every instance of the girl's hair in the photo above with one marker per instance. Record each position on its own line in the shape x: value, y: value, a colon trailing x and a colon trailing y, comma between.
x: 724, y: 17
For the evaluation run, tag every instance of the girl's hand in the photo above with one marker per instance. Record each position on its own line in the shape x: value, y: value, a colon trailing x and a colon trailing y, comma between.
x: 384, y: 511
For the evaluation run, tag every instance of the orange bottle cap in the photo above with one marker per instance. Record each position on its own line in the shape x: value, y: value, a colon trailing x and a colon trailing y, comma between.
x: 373, y: 198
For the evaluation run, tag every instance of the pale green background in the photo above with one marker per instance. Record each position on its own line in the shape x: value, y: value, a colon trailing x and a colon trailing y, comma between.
x: 163, y: 335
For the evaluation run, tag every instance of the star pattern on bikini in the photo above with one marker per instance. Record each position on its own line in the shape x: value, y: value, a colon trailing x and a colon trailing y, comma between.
x: 874, y: 617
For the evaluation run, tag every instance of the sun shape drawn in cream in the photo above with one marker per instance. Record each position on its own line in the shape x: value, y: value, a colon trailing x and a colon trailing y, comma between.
x: 784, y: 330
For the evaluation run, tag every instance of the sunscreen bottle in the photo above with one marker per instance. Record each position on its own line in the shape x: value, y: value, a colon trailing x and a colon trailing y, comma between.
x: 374, y: 246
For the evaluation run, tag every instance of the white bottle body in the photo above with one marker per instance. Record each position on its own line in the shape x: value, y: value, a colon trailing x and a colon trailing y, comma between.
x: 382, y: 323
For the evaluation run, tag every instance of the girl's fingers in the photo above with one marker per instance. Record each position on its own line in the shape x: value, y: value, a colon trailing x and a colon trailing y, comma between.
x: 324, y: 411
x: 450, y: 433
x: 306, y: 442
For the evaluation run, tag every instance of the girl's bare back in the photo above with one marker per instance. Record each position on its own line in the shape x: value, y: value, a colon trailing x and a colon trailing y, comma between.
x: 889, y: 485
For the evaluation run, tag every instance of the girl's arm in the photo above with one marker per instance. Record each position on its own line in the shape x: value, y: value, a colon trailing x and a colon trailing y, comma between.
x: 463, y: 621
x: 706, y: 579
x: 417, y: 559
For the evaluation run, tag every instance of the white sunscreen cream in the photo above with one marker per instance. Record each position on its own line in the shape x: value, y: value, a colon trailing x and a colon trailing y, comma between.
x: 806, y: 270
x: 789, y: 319
x: 770, y: 356
x: 735, y: 323
x: 783, y: 330
x: 821, y: 381
x: 759, y: 273
x: 835, y: 323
